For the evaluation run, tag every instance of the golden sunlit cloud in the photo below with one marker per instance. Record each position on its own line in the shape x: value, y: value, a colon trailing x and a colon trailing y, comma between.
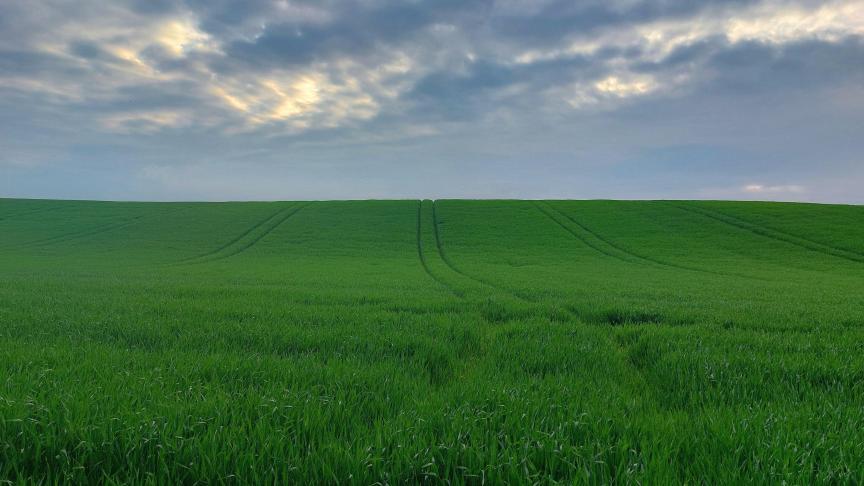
x: 608, y: 90
x: 615, y: 86
x: 829, y: 21
x: 768, y: 23
x: 297, y: 101
x: 181, y: 36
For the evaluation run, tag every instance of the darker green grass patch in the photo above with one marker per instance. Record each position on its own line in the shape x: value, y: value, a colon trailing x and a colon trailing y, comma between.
x: 438, y: 363
x: 621, y: 317
x: 643, y: 354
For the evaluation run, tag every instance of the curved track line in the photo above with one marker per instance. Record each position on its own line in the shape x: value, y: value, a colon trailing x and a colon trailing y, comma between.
x: 80, y: 234
x: 649, y: 259
x: 423, y: 257
x: 251, y: 243
x: 28, y: 213
x: 580, y: 238
x: 773, y: 234
x: 103, y: 228
x: 267, y: 232
x: 447, y: 261
x: 609, y: 242
x: 239, y: 237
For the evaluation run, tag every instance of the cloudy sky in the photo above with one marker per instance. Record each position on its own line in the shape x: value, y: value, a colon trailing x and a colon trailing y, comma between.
x: 260, y: 99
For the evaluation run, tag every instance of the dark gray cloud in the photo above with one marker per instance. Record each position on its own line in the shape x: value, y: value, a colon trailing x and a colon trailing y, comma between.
x: 354, y: 30
x: 36, y: 64
x: 555, y: 98
x: 798, y: 65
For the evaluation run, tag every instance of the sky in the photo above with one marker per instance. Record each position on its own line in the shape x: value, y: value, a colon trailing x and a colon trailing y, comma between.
x: 326, y: 99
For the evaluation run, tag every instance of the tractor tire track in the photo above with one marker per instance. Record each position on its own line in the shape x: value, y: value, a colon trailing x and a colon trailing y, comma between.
x: 450, y: 265
x: 649, y: 259
x: 74, y: 235
x: 285, y: 215
x: 238, y: 238
x: 423, y: 257
x: 775, y: 235
x: 579, y: 237
x: 79, y: 234
x: 28, y: 213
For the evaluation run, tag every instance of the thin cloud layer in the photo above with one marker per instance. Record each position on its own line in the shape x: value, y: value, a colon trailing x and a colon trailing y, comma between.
x: 383, y: 98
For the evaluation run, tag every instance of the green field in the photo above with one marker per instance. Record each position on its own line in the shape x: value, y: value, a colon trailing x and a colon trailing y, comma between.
x: 464, y: 341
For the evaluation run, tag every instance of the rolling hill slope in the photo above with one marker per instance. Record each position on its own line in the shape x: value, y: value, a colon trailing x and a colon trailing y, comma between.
x: 394, y: 341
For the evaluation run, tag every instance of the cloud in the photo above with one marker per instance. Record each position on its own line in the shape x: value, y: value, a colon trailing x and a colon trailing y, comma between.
x: 773, y: 190
x: 306, y: 66
x: 572, y: 83
x: 143, y: 121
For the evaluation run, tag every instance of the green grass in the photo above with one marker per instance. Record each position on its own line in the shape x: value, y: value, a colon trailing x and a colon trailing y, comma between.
x: 403, y: 342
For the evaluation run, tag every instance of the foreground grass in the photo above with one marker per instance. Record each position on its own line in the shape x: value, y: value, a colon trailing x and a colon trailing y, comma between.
x: 397, y: 341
